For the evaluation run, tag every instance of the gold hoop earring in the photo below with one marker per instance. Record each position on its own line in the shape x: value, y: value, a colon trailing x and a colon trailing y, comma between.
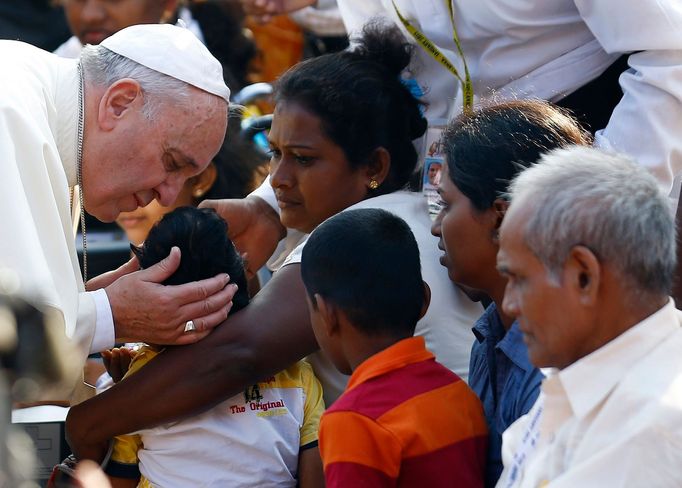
x: 373, y: 184
x: 199, y: 192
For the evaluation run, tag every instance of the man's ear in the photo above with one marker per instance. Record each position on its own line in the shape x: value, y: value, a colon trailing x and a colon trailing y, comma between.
x: 427, y: 299
x: 583, y: 273
x: 329, y: 314
x: 118, y: 100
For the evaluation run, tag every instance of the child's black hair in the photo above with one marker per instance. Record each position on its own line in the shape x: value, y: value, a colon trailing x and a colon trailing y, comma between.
x: 366, y: 262
x: 206, y: 250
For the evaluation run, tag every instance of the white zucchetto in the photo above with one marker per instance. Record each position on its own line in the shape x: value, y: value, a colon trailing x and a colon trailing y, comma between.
x: 173, y: 51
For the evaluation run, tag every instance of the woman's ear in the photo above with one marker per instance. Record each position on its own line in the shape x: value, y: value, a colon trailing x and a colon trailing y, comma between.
x: 499, y: 208
x: 378, y: 168
x: 500, y: 205
x: 203, y: 182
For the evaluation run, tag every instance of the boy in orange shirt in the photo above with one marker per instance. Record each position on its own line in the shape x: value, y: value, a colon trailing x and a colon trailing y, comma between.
x: 404, y: 419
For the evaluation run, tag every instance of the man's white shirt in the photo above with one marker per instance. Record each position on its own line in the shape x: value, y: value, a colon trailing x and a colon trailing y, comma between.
x: 612, y: 419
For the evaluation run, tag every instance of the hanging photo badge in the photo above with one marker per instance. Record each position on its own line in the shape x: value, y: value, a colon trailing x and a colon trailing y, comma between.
x: 433, y: 161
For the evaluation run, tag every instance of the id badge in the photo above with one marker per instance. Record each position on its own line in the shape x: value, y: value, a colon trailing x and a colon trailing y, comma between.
x: 433, y: 161
x: 431, y: 158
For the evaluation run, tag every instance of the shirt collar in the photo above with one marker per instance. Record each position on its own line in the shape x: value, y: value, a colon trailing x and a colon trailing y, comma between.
x: 514, y: 348
x: 590, y: 379
x: 402, y: 353
x: 489, y: 326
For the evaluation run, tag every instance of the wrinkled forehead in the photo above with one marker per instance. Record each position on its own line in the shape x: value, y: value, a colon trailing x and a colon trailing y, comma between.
x: 199, y: 129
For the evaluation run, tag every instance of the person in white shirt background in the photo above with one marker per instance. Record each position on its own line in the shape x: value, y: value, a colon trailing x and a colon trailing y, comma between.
x: 218, y: 25
x: 590, y: 266
x: 92, y: 21
x: 549, y: 50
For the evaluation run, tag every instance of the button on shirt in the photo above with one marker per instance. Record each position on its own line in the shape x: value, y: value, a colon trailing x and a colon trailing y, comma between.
x: 503, y: 377
x: 612, y: 418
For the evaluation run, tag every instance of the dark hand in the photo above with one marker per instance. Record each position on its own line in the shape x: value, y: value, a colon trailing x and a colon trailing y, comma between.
x: 253, y: 226
x: 117, y: 361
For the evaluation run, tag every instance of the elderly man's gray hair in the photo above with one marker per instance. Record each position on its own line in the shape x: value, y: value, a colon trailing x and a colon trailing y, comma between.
x: 604, y: 201
x: 103, y: 67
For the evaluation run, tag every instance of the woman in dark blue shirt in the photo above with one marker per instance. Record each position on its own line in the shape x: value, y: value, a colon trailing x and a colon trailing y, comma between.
x: 484, y: 150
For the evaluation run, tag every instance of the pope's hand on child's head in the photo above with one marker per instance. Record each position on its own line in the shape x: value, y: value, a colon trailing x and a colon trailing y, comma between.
x: 144, y: 310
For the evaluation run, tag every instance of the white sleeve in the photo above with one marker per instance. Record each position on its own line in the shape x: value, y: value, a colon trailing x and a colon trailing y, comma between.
x: 105, y: 334
x: 267, y: 193
x: 37, y: 244
x: 646, y: 123
x: 294, y: 256
x: 356, y: 13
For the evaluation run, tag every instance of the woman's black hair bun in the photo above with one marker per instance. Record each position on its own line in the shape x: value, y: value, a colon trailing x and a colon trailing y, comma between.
x: 383, y: 44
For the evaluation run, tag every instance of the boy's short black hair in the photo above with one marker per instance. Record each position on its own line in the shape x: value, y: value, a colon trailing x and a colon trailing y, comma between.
x: 206, y: 250
x: 366, y: 262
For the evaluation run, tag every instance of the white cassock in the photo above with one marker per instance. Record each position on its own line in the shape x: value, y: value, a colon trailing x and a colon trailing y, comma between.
x: 38, y: 131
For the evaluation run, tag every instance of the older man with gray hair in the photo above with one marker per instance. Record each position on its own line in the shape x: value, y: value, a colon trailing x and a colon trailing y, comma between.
x: 128, y: 123
x: 588, y: 246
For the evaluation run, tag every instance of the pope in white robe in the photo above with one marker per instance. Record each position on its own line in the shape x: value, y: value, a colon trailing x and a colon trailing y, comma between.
x: 39, y: 118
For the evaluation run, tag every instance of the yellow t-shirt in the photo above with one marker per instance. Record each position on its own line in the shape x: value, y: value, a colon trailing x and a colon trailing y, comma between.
x: 251, y: 439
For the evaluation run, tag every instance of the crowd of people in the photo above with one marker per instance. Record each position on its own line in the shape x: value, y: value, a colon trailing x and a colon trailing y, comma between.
x: 523, y: 336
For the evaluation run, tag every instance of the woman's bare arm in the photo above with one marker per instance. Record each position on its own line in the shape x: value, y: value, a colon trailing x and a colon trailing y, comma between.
x: 310, y: 469
x: 260, y: 340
